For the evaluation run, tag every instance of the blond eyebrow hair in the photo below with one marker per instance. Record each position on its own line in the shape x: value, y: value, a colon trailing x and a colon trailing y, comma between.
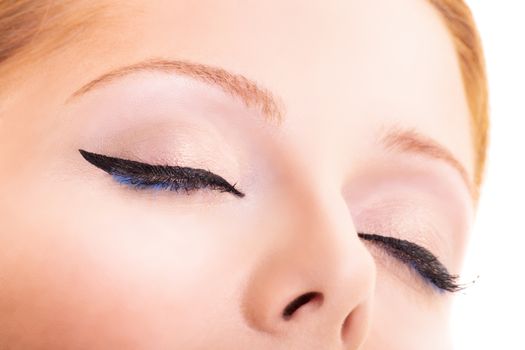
x: 404, y: 140
x: 411, y: 141
x: 248, y: 91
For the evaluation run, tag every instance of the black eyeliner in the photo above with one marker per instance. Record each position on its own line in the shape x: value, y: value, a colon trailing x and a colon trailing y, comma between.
x: 421, y: 259
x: 145, y: 175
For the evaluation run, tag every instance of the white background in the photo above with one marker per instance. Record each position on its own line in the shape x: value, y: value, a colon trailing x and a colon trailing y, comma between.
x: 491, y: 313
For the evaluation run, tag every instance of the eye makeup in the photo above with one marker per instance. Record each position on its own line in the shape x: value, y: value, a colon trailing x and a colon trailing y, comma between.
x: 159, y: 177
x: 420, y: 259
x: 141, y: 175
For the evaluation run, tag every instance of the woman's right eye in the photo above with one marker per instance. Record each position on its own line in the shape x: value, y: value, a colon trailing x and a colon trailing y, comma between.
x: 159, y: 177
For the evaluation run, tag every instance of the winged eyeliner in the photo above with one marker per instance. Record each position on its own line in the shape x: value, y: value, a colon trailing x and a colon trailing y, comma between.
x: 160, y: 177
x: 419, y: 258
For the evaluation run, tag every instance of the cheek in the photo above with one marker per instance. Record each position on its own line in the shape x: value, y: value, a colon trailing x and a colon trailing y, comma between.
x: 125, y: 273
x: 405, y: 319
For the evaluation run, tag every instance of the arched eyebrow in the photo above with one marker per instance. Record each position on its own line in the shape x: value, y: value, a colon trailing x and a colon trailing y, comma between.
x: 248, y: 91
x: 412, y: 141
x: 272, y: 107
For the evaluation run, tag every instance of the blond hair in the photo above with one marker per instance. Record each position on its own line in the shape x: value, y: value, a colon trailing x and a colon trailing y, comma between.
x: 30, y: 26
x: 460, y: 23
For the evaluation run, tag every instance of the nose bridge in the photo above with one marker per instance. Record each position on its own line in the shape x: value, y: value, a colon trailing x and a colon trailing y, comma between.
x: 315, y: 271
x: 319, y: 235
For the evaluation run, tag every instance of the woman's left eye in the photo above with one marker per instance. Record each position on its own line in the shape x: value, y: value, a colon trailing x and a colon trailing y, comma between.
x: 159, y: 177
x: 420, y: 259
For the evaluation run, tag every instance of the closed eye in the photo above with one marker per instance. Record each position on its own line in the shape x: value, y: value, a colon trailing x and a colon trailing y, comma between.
x: 159, y: 177
x: 420, y: 259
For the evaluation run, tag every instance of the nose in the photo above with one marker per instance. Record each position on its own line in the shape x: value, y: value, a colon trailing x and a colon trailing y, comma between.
x: 313, y: 284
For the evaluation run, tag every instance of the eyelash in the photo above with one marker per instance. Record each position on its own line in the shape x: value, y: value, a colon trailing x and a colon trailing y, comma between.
x: 418, y: 258
x: 159, y: 177
x: 175, y: 178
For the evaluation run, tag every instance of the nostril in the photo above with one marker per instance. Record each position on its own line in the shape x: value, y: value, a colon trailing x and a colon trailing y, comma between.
x: 298, y: 302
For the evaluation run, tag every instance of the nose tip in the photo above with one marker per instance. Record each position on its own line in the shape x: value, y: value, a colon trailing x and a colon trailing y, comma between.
x: 309, y: 304
x: 312, y: 280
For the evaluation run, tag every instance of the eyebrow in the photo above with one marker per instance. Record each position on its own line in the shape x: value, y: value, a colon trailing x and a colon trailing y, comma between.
x: 237, y: 85
x: 411, y: 141
x: 272, y: 107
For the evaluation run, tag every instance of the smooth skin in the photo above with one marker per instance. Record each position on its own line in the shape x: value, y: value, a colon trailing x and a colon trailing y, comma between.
x: 87, y: 263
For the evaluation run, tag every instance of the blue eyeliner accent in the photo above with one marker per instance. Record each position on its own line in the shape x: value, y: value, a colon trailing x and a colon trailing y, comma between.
x: 125, y: 180
x: 426, y: 279
x: 134, y: 182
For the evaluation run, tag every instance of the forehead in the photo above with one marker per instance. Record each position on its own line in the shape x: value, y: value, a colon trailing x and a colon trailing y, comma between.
x: 348, y: 67
x: 364, y: 63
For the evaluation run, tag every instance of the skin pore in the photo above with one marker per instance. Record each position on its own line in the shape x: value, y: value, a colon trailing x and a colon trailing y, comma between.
x: 332, y: 118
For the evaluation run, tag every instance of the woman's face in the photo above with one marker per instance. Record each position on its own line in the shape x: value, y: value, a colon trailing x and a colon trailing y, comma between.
x: 365, y: 131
